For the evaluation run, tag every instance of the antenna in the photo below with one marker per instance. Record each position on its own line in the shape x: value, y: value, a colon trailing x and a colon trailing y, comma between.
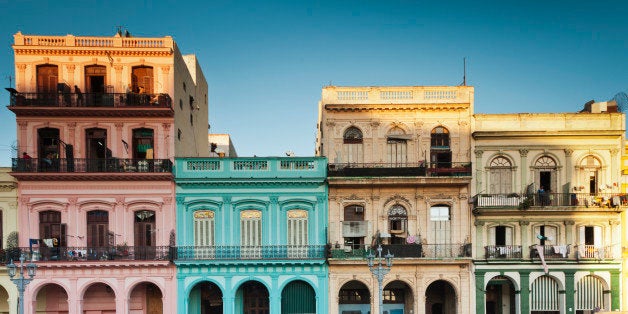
x: 464, y: 71
x: 10, y: 80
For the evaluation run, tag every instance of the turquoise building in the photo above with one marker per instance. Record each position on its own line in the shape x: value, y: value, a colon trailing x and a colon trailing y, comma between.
x: 251, y: 235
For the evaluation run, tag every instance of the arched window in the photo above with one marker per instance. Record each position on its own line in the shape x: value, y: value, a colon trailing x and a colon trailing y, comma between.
x: 589, y: 175
x: 398, y: 224
x: 143, y: 77
x: 397, y: 147
x: 440, y: 152
x: 500, y: 176
x: 546, y: 174
x: 352, y: 145
x: 297, y: 233
x: 204, y: 228
x: 251, y: 233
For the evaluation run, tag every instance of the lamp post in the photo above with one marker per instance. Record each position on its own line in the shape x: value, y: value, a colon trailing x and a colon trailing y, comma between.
x: 21, y: 282
x: 380, y: 270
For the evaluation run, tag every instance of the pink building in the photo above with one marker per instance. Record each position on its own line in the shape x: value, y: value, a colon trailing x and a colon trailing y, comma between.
x: 100, y: 120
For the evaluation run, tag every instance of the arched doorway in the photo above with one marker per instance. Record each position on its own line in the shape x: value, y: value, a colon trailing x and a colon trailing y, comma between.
x: 354, y: 297
x: 398, y: 298
x: 440, y: 298
x: 51, y: 299
x: 545, y: 296
x: 252, y: 298
x: 99, y: 298
x: 500, y: 296
x: 146, y: 298
x: 298, y: 297
x: 590, y: 295
x: 4, y: 300
x: 205, y: 298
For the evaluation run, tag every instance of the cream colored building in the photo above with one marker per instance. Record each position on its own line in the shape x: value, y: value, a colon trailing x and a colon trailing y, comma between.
x: 399, y: 175
x: 220, y: 145
x: 8, y: 220
x: 547, y: 202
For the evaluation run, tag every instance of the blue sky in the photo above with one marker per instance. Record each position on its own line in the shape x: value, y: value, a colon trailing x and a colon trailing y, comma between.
x: 266, y: 61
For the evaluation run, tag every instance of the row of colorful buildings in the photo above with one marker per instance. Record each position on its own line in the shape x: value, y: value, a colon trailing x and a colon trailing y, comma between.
x: 125, y: 206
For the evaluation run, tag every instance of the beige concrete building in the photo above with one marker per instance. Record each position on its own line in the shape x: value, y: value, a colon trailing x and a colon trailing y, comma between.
x: 547, y: 202
x: 220, y: 145
x: 399, y: 175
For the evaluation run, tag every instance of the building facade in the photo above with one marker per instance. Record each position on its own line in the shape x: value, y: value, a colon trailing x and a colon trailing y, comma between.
x: 547, y: 205
x: 251, y: 235
x: 399, y: 176
x: 8, y: 222
x: 100, y: 120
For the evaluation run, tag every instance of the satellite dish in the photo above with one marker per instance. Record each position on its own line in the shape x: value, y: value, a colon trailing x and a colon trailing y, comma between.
x: 622, y: 101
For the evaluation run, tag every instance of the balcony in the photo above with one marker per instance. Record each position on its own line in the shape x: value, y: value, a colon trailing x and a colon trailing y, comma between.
x: 502, y: 252
x: 82, y: 168
x: 551, y: 252
x: 525, y: 201
x: 93, y: 104
x: 427, y: 251
x: 262, y: 252
x: 594, y: 252
x: 433, y: 169
x: 87, y: 254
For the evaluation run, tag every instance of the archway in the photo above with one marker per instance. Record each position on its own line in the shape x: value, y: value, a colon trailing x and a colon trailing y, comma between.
x: 4, y: 300
x: 51, y: 299
x: 252, y: 298
x: 440, y: 298
x: 545, y: 296
x: 354, y: 297
x: 298, y: 297
x: 500, y: 296
x: 205, y: 298
x: 398, y: 298
x: 99, y: 298
x: 146, y: 298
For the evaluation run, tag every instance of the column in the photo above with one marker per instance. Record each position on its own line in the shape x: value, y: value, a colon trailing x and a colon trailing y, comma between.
x: 480, y: 292
x: 478, y: 171
x: 569, y: 286
x: 524, y: 224
x: 569, y: 236
x: 270, y: 224
x: 228, y: 224
x: 568, y: 170
x: 70, y: 68
x: 479, y: 243
x: 524, y: 167
x: 525, y: 292
x: 615, y: 289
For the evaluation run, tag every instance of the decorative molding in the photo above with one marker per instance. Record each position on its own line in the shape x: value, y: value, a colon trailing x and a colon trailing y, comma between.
x: 524, y: 223
x: 204, y: 214
x: 273, y: 199
x: 396, y: 199
x: 250, y: 214
x: 479, y: 223
x: 523, y: 152
x: 614, y: 151
x: 297, y: 213
x: 569, y: 222
x: 568, y: 152
x: 180, y: 200
x: 478, y: 153
x: 614, y: 222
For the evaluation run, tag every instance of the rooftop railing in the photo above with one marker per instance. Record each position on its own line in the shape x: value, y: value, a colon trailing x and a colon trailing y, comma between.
x: 255, y: 168
x: 262, y: 252
x: 544, y: 199
x: 428, y: 251
x: 89, y: 100
x: 63, y: 165
x: 421, y: 169
x: 93, y: 41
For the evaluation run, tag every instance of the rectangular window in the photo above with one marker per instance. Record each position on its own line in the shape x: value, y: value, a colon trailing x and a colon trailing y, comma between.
x: 297, y: 233
x: 251, y: 233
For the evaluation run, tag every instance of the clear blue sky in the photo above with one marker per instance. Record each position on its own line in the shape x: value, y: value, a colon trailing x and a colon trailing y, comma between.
x: 266, y: 61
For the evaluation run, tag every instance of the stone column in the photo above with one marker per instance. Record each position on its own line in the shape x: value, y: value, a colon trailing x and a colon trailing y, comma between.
x: 478, y: 171
x: 479, y: 240
x: 524, y: 168
x: 569, y: 286
x: 525, y: 253
x: 273, y: 215
x: 480, y: 292
x: 569, y: 168
x: 525, y: 292
x: 70, y: 68
x: 228, y: 223
x: 20, y: 80
x: 569, y: 235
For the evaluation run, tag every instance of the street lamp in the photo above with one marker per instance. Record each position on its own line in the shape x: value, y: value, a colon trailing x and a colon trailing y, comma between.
x: 22, y: 281
x: 380, y: 270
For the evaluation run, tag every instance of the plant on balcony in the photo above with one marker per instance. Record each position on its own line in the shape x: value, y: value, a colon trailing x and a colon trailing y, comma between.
x: 13, y: 250
x: 526, y: 203
x: 122, y: 249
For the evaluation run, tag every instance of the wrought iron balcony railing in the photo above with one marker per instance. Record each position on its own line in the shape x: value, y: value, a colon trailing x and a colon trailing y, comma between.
x: 597, y: 252
x: 558, y: 251
x: 83, y: 254
x: 262, y: 252
x: 87, y: 100
x: 421, y: 169
x: 63, y: 165
x: 524, y: 201
x: 429, y: 251
x: 503, y: 252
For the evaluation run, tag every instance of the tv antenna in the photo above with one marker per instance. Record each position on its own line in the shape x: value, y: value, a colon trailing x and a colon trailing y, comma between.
x: 464, y: 71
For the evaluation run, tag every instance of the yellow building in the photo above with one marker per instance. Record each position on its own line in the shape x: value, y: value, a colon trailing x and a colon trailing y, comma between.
x: 399, y: 175
x: 8, y: 223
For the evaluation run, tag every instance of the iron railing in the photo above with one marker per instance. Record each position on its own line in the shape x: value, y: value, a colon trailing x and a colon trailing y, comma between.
x: 502, y: 252
x: 406, y: 251
x: 430, y: 169
x: 543, y: 199
x: 598, y: 252
x: 90, y: 165
x: 86, y: 100
x: 262, y: 252
x: 78, y: 254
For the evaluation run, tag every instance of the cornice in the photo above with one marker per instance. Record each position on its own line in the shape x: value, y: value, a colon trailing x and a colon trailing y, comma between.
x: 162, y: 52
x: 396, y: 107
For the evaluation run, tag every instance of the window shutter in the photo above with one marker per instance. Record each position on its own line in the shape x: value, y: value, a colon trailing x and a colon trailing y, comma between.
x: 597, y: 236
x: 508, y: 236
x: 551, y: 234
x: 581, y: 237
x: 491, y: 236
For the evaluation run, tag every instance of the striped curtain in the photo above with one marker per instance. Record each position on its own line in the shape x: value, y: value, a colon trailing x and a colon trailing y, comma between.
x: 589, y: 294
x: 544, y: 295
